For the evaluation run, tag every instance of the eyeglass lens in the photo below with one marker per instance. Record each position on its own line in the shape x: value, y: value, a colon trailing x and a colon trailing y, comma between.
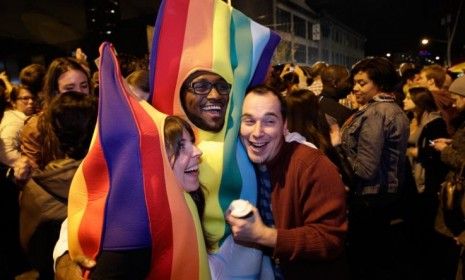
x: 204, y: 87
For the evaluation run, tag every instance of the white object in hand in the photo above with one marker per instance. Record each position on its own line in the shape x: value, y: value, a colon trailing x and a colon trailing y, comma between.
x: 240, y: 208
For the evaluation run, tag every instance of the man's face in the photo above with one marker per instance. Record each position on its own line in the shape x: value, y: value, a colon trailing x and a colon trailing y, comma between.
x: 423, y: 81
x: 206, y: 111
x: 364, y: 88
x: 262, y: 127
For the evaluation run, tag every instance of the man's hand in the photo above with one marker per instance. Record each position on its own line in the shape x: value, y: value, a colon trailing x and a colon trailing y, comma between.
x: 80, y: 55
x: 72, y: 270
x: 252, y: 229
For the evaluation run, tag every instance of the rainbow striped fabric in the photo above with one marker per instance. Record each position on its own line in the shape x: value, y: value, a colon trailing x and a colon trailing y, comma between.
x: 124, y: 195
x: 193, y: 35
x: 209, y: 35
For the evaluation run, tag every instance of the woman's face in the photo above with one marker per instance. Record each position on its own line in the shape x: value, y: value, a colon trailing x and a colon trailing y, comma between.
x: 364, y: 88
x: 408, y: 103
x: 186, y: 165
x: 73, y: 80
x: 25, y: 102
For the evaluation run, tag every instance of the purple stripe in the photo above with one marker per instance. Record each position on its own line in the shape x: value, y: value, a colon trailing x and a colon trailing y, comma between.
x: 126, y: 220
x: 265, y: 59
x: 154, y: 50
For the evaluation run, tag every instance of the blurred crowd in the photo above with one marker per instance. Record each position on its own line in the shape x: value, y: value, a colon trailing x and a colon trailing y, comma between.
x: 395, y: 133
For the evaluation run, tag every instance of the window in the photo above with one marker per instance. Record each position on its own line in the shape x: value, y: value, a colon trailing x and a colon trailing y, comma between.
x: 300, y: 55
x: 313, y: 54
x: 299, y: 27
x: 283, y: 20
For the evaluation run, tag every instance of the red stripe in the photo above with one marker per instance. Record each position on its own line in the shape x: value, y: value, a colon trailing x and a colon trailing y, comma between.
x: 170, y: 46
x: 155, y: 193
x: 95, y: 171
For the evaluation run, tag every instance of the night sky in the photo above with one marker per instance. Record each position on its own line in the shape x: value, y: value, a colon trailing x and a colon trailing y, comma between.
x: 398, y: 25
x: 394, y: 26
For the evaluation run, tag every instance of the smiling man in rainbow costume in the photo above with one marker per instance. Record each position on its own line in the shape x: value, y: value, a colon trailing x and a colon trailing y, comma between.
x: 197, y: 38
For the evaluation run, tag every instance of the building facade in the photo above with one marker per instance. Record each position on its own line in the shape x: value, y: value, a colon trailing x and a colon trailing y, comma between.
x: 307, y: 36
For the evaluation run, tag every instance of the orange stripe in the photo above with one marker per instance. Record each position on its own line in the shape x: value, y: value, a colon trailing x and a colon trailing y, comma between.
x: 198, y: 45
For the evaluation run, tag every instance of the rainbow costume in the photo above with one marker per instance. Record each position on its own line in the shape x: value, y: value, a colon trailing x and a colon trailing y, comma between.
x: 193, y: 35
x: 124, y: 194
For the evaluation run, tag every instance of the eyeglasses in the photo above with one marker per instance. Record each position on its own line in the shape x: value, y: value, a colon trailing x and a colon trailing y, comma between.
x: 205, y: 87
x: 26, y: 98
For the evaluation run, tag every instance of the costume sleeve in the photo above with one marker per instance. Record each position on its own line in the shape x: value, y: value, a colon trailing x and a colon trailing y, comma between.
x: 322, y: 199
x: 369, y: 147
x: 9, y: 144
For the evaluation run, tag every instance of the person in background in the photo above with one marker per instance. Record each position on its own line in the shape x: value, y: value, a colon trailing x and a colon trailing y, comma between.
x: 315, y: 73
x: 71, y: 116
x: 21, y: 105
x: 139, y: 83
x: 301, y: 217
x: 375, y: 140
x: 291, y: 82
x: 305, y: 117
x: 433, y: 78
x: 450, y: 224
x: 429, y: 173
x: 38, y: 142
x: 336, y: 86
x: 32, y: 77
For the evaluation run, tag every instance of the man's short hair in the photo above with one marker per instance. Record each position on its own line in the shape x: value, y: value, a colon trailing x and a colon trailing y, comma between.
x: 435, y: 72
x: 264, y: 89
x: 380, y: 70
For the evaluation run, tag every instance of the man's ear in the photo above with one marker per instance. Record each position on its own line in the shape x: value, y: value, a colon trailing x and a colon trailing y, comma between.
x: 285, y: 130
x: 431, y: 82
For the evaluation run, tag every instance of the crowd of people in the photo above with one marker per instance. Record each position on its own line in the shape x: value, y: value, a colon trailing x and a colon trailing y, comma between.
x: 359, y: 172
x: 382, y: 163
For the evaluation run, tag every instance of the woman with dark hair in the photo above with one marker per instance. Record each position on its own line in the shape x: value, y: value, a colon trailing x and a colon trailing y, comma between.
x: 375, y: 140
x: 72, y: 117
x: 431, y: 126
x: 429, y: 172
x: 304, y: 116
x: 39, y: 145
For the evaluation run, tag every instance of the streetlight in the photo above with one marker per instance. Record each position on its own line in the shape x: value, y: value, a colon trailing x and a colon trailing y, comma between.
x: 426, y: 41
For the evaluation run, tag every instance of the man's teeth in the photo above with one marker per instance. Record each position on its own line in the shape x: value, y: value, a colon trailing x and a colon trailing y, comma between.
x: 258, y: 145
x: 212, y: 108
x: 192, y: 169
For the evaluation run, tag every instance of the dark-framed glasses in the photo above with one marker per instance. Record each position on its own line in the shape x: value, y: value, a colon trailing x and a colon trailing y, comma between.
x: 204, y: 87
